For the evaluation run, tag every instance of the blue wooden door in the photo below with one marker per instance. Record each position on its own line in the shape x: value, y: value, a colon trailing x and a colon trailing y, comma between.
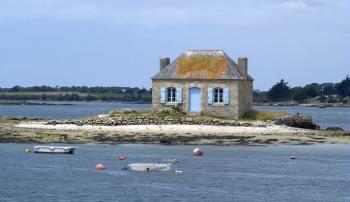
x: 194, y: 100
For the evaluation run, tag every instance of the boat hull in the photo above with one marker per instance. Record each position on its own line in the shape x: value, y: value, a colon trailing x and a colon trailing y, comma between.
x: 53, y: 150
x: 149, y: 167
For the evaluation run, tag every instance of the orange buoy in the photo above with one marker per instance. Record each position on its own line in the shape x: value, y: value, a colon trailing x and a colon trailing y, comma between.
x: 100, y: 166
x: 197, y: 152
x: 122, y: 157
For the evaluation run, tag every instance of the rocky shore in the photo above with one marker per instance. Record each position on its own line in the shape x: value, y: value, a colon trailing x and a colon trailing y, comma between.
x: 169, y: 128
x: 288, y: 120
x: 150, y: 120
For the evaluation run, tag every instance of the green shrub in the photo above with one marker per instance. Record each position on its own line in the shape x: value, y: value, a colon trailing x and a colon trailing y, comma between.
x: 250, y: 115
x: 262, y: 115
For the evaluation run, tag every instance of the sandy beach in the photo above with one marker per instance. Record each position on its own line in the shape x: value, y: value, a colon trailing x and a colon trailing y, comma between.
x: 258, y: 134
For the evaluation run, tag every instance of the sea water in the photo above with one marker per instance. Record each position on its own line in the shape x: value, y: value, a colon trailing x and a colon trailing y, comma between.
x: 231, y: 173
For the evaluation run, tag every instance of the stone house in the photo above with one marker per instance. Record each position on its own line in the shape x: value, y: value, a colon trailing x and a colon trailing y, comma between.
x: 207, y: 81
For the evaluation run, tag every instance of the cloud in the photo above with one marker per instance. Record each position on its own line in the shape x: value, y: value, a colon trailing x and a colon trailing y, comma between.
x: 153, y: 13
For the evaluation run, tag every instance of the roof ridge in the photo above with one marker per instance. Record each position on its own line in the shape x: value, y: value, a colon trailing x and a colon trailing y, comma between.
x: 209, y: 49
x: 212, y: 52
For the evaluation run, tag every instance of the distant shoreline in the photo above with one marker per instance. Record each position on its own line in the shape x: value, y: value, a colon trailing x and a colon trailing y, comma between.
x: 276, y: 104
x: 36, y: 102
x: 319, y: 105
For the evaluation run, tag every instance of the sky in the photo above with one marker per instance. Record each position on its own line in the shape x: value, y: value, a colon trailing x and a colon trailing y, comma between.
x: 119, y: 43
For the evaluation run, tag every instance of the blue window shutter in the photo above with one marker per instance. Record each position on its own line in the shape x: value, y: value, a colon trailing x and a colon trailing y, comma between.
x: 210, y: 95
x: 226, y: 96
x: 162, y: 95
x: 179, y: 95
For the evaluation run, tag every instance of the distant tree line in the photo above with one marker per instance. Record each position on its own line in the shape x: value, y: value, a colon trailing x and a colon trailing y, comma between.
x: 76, y: 93
x: 80, y: 89
x: 281, y: 91
x: 325, y: 92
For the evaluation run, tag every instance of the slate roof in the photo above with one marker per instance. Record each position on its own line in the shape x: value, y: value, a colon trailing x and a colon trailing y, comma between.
x: 202, y: 64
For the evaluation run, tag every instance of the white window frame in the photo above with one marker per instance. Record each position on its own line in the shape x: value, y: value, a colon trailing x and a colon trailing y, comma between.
x: 218, y: 95
x: 171, y: 95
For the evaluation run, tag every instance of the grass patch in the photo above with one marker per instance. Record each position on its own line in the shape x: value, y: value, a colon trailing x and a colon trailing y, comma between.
x: 124, y: 112
x: 175, y: 114
x: 262, y: 115
x: 204, y: 114
x: 4, y: 120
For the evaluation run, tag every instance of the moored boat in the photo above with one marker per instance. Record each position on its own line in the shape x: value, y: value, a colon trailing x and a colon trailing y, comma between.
x: 148, y: 167
x: 54, y: 150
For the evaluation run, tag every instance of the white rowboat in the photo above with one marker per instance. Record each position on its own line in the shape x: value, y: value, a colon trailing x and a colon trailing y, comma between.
x: 53, y: 150
x: 148, y: 167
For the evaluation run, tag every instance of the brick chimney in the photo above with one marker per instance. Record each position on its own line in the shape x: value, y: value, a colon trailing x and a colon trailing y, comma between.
x: 163, y: 62
x: 243, y: 65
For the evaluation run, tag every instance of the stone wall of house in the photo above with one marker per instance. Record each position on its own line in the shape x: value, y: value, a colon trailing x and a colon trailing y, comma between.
x: 245, y: 96
x: 231, y: 110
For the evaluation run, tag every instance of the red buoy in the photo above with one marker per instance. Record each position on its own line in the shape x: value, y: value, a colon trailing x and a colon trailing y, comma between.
x: 100, y: 166
x: 122, y: 157
x: 197, y: 152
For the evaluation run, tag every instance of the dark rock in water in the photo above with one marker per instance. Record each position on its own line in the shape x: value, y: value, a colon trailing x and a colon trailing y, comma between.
x: 165, y: 140
x: 22, y: 118
x: 334, y: 129
x: 297, y: 121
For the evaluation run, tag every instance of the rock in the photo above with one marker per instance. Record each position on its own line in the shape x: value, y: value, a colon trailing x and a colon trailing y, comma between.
x: 297, y: 121
x: 167, y: 110
x: 334, y: 129
x: 246, y: 124
x: 128, y: 111
x: 165, y: 140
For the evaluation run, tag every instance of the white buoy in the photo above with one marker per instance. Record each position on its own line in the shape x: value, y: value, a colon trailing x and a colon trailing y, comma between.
x: 100, y: 166
x: 197, y: 152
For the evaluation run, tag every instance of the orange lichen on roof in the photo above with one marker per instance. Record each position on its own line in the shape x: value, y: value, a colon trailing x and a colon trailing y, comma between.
x: 201, y: 67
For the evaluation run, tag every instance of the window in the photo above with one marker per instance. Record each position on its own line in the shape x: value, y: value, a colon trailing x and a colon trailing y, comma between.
x: 218, y: 95
x: 171, y: 94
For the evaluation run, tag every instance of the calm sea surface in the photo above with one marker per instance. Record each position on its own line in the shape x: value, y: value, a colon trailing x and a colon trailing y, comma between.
x: 238, y: 173
x: 325, y: 117
x: 72, y: 111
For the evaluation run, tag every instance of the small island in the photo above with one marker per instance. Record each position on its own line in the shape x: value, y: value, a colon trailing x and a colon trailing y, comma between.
x: 169, y: 126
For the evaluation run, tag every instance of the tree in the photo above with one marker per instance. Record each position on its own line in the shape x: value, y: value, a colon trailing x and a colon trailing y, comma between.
x: 43, y: 96
x: 259, y: 96
x: 328, y: 89
x: 279, y: 92
x: 15, y: 89
x: 90, y: 98
x: 312, y: 90
x: 298, y: 93
x: 343, y: 88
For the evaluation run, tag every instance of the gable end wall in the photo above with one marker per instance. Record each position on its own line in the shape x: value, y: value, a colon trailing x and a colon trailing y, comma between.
x: 245, y: 96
